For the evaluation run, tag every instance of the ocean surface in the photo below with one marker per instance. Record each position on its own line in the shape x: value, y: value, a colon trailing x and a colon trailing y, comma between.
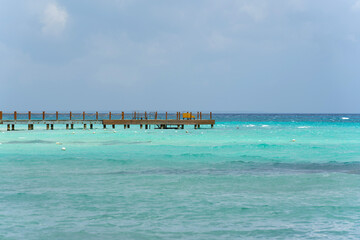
x: 253, y: 176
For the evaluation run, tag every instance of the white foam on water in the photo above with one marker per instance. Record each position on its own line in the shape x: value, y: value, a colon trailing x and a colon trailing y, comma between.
x: 344, y: 118
x: 264, y: 125
x: 304, y: 127
x: 250, y: 125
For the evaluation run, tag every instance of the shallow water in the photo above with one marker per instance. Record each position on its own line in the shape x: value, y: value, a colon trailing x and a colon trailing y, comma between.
x: 246, y: 178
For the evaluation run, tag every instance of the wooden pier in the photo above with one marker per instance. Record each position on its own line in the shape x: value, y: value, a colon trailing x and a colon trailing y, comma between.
x: 143, y: 119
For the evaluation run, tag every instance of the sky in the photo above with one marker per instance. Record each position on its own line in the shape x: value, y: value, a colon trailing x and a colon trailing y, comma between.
x: 267, y: 56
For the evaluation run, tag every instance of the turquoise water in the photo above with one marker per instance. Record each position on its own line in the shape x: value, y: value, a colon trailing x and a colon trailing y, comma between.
x: 246, y: 178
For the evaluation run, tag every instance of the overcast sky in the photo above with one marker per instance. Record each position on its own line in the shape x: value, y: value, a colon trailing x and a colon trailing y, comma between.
x: 219, y: 55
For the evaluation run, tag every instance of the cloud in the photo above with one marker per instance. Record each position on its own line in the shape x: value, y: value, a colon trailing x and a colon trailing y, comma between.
x: 351, y: 38
x: 218, y: 41
x: 54, y: 19
x: 255, y: 11
x: 356, y: 5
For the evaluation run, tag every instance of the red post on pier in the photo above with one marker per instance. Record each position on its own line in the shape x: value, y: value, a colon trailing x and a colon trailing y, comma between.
x: 197, y: 116
x: 109, y: 115
x: 97, y: 116
x: 43, y: 115
x: 0, y: 115
x: 135, y: 115
x: 57, y: 115
x: 83, y: 116
x: 29, y: 115
x: 200, y: 115
x: 122, y: 115
x: 166, y: 115
x: 145, y: 115
x: 15, y: 115
x: 210, y: 115
x: 155, y: 115
x: 70, y: 115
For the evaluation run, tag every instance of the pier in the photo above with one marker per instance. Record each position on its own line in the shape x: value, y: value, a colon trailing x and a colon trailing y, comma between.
x: 146, y: 120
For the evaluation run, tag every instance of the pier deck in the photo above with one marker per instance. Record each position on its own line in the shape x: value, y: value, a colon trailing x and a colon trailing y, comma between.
x: 158, y: 120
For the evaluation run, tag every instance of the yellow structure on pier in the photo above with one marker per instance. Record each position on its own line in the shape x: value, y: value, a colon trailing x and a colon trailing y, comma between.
x: 188, y: 116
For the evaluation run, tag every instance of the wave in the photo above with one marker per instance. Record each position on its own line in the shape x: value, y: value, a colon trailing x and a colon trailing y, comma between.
x: 252, y: 168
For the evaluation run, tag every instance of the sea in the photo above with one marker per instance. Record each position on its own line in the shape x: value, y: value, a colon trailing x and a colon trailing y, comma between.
x: 252, y: 176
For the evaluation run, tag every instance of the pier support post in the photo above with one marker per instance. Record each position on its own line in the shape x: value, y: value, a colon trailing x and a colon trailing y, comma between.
x: 182, y: 126
x: 8, y: 127
x: 13, y: 127
x: 84, y: 126
x: 128, y: 126
x: 72, y: 126
x: 47, y: 126
x: 52, y: 126
x: 29, y: 126
x: 67, y: 126
x: 91, y: 126
x: 113, y: 126
x: 124, y: 126
x: 146, y: 126
x: 104, y: 126
x: 140, y: 126
x: 195, y: 126
x: 212, y: 125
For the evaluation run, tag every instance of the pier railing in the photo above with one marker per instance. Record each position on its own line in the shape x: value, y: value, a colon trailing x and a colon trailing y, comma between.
x: 99, y: 116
